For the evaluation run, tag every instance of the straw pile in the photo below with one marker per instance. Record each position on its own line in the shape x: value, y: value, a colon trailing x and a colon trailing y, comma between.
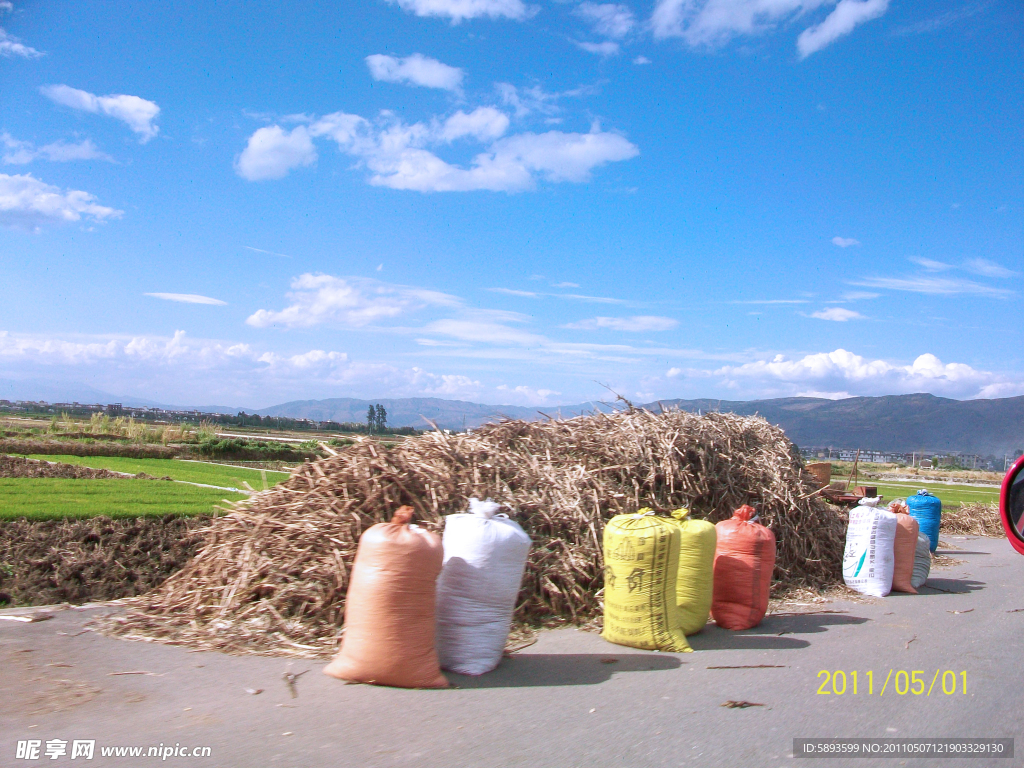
x: 975, y: 519
x: 273, y: 573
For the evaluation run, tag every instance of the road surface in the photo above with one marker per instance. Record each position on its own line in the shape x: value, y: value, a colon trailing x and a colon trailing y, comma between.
x: 569, y: 700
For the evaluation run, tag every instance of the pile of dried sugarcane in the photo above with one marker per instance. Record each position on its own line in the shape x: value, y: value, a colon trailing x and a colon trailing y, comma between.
x: 272, y: 575
x: 973, y: 519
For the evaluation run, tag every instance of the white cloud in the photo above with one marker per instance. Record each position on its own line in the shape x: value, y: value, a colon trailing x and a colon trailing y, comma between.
x: 21, y: 152
x: 510, y: 165
x: 935, y: 286
x: 846, y: 15
x: 930, y: 264
x: 636, y: 324
x: 513, y: 292
x: 641, y: 60
x: 27, y: 202
x: 458, y: 10
x: 351, y: 302
x: 416, y: 69
x: 137, y: 113
x: 713, y: 23
x: 771, y: 301
x: 524, y: 395
x: 607, y: 19
x: 941, y: 21
x: 186, y: 298
x: 838, y: 314
x: 847, y: 373
x: 844, y: 242
x: 12, y: 46
x: 565, y: 285
x: 401, y: 156
x: 988, y: 268
x: 606, y: 48
x: 272, y: 152
x: 483, y: 330
x: 589, y: 299
x: 482, y: 124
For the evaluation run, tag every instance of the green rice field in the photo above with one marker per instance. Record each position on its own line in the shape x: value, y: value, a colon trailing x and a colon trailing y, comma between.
x: 47, y: 498
x: 189, y: 471
x: 951, y: 495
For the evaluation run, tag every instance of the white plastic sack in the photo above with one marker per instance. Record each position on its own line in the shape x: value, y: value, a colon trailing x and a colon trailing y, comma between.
x: 484, y: 557
x: 922, y: 561
x: 868, y: 559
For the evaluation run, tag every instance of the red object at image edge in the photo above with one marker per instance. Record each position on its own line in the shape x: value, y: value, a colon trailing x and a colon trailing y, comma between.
x: 1004, y: 505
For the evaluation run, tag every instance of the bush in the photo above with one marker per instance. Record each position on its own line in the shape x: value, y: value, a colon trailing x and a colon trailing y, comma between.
x: 252, y: 450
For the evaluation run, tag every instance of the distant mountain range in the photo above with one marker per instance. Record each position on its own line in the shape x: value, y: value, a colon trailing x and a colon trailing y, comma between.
x: 420, y: 412
x: 901, y: 423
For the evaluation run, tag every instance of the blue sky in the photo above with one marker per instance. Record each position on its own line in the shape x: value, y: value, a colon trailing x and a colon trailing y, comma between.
x: 512, y: 202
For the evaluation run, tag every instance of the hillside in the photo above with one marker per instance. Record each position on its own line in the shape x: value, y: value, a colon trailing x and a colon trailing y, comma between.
x: 893, y: 423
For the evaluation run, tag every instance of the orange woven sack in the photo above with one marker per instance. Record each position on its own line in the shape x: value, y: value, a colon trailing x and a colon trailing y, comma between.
x: 389, y: 609
x: 744, y: 561
x: 904, y: 549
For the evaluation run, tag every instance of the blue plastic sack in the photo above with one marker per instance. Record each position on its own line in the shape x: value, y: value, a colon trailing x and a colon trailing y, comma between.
x: 927, y: 510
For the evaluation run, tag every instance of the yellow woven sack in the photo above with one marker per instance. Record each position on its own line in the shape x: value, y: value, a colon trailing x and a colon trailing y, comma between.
x: 641, y: 555
x: 697, y: 539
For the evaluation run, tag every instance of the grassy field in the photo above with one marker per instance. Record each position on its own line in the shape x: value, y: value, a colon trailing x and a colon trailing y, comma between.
x: 189, y: 471
x: 52, y: 498
x: 949, y: 494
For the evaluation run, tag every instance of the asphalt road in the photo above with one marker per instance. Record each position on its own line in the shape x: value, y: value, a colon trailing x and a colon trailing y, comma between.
x: 561, y: 702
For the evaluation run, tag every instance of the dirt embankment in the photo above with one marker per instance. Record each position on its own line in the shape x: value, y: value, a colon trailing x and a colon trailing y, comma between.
x: 73, y: 448
x: 16, y: 466
x: 81, y: 561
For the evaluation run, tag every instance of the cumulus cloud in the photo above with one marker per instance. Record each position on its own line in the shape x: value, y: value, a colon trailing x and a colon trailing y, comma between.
x: 608, y: 19
x: 838, y: 314
x: 352, y: 302
x: 458, y: 10
x: 186, y: 298
x: 524, y: 395
x: 11, y: 46
x: 846, y: 15
x: 26, y: 202
x: 713, y: 23
x: 641, y: 60
x: 635, y: 324
x: 18, y: 152
x: 844, y: 242
x: 137, y: 113
x: 403, y: 156
x: 272, y: 152
x: 842, y: 371
x: 482, y: 124
x: 416, y: 69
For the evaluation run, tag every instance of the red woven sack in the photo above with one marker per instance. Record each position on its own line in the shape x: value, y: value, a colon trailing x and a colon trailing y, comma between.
x: 744, y: 561
x: 904, y: 551
x: 389, y: 608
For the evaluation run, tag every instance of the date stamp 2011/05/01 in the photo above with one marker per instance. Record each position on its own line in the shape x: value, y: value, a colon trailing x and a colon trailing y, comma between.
x: 904, y: 681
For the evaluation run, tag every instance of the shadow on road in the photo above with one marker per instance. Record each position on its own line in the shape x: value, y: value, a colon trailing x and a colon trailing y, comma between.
x: 555, y: 669
x: 772, y: 633
x: 950, y: 586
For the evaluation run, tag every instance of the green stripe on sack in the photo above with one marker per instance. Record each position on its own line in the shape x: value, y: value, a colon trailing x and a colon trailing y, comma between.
x: 860, y: 564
